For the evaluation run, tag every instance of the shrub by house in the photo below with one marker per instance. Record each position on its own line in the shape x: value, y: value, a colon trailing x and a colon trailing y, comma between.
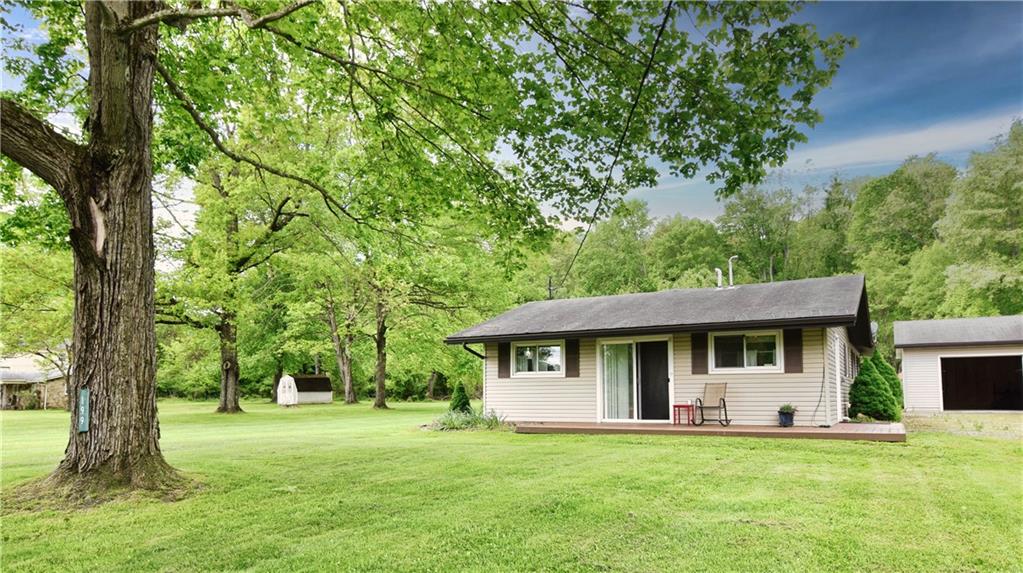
x: 888, y: 373
x: 871, y: 396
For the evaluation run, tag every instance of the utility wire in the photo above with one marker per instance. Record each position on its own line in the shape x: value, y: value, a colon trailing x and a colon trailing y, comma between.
x: 618, y: 147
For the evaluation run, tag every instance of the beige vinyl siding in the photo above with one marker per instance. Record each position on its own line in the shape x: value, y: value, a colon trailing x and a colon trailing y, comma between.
x: 754, y: 397
x: 921, y: 371
x: 544, y: 399
x: 846, y: 368
x: 831, y: 367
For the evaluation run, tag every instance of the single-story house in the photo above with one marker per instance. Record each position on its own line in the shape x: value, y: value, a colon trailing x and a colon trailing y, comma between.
x: 314, y: 389
x: 631, y: 357
x: 24, y: 384
x: 961, y: 363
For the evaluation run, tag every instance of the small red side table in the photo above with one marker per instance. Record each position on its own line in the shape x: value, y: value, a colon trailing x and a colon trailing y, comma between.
x: 676, y: 414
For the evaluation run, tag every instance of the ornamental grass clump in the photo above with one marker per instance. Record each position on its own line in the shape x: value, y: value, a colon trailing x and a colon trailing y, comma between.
x: 456, y: 420
x: 890, y: 376
x: 870, y: 395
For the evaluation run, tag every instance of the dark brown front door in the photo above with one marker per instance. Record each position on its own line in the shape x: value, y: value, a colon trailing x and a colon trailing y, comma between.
x: 652, y: 361
x: 982, y: 383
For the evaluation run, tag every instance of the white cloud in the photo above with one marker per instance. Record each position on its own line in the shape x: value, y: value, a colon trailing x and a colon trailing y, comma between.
x: 944, y: 137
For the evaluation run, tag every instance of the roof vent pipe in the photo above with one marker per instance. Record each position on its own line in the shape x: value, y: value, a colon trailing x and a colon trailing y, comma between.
x: 718, y: 271
x: 731, y: 282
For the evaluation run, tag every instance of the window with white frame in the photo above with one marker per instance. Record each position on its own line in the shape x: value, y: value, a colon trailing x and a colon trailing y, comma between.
x: 848, y: 368
x: 538, y: 358
x: 747, y: 351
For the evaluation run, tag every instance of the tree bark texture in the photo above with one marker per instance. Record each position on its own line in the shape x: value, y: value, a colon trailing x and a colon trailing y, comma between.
x: 106, y: 188
x: 229, y: 392
x: 228, y: 326
x: 380, y: 374
x: 430, y: 382
x: 278, y: 374
x: 342, y: 349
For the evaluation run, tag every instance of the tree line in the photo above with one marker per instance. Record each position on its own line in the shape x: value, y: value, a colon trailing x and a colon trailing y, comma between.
x: 932, y: 241
x: 261, y: 285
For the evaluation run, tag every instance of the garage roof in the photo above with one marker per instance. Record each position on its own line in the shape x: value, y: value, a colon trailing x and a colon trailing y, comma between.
x: 959, y: 331
x: 833, y: 301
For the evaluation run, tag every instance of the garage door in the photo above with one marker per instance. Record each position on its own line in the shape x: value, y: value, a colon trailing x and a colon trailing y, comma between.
x: 982, y: 383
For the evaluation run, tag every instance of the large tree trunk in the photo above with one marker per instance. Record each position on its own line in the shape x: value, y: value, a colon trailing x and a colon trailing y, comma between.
x: 278, y: 374
x: 342, y: 351
x: 112, y: 236
x: 106, y: 188
x: 380, y: 375
x: 229, y: 392
x: 345, y: 366
x: 228, y: 327
x: 430, y: 382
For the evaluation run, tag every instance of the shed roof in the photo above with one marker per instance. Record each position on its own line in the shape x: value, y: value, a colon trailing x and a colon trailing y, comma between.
x: 833, y: 301
x: 312, y: 383
x: 959, y: 331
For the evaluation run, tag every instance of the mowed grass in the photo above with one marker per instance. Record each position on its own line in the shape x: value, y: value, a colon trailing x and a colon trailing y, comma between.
x: 336, y: 487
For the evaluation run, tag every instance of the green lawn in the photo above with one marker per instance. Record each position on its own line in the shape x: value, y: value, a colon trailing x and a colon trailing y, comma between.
x: 345, y: 488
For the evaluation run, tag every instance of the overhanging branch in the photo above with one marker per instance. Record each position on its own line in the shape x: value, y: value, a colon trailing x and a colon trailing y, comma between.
x: 176, y: 16
x: 33, y: 144
x: 186, y: 102
x: 350, y: 64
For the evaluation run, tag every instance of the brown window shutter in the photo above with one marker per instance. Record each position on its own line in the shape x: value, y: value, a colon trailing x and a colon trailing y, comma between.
x: 699, y: 352
x: 571, y: 357
x: 503, y: 359
x: 793, y: 350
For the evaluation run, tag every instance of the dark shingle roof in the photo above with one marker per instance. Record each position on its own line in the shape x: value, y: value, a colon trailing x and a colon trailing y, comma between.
x: 834, y: 301
x: 312, y: 383
x: 959, y: 331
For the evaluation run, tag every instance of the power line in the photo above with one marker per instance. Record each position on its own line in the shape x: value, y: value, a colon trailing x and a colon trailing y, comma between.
x: 618, y: 148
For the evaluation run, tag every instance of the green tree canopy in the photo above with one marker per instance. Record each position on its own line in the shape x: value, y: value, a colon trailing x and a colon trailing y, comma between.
x: 898, y: 212
x: 983, y: 228
x: 614, y: 260
x: 759, y: 224
x: 680, y: 248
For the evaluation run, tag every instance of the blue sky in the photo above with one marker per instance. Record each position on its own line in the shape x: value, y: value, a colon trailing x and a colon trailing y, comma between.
x: 926, y: 77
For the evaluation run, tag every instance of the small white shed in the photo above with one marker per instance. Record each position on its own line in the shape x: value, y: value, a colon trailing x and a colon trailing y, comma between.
x: 961, y: 363
x: 314, y: 389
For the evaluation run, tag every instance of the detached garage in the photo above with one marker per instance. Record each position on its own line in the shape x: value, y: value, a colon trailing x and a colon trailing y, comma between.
x: 961, y: 363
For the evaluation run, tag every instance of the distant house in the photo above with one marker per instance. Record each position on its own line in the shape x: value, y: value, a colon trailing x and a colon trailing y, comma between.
x: 629, y: 358
x: 961, y: 363
x: 314, y: 389
x: 24, y: 384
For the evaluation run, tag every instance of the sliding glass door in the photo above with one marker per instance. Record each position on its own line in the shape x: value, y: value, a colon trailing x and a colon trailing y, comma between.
x: 635, y: 379
x: 619, y: 381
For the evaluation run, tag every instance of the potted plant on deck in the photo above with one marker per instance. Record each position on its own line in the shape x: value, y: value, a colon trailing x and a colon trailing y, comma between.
x: 786, y: 415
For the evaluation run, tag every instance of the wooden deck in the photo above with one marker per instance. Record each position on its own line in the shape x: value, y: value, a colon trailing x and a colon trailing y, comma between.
x: 879, y: 432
